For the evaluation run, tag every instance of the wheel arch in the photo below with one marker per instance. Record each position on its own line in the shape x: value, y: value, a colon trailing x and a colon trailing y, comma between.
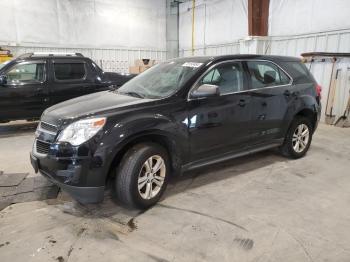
x: 310, y: 114
x: 158, y: 137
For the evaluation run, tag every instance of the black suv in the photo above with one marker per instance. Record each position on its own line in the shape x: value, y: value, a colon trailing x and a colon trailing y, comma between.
x: 179, y: 115
x: 35, y: 81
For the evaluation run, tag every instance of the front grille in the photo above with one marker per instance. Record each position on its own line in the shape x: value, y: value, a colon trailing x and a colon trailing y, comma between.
x: 42, y: 147
x: 48, y: 127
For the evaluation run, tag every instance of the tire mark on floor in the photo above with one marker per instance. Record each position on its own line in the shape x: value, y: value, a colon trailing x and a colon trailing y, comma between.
x: 203, y: 214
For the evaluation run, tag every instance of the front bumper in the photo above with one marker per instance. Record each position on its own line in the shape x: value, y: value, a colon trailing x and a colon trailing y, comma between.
x: 72, y: 177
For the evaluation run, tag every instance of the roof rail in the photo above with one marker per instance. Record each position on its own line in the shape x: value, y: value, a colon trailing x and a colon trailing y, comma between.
x: 25, y: 55
x: 49, y: 54
x: 55, y: 54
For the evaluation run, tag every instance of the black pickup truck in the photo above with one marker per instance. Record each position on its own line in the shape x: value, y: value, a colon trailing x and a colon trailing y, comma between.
x: 33, y: 82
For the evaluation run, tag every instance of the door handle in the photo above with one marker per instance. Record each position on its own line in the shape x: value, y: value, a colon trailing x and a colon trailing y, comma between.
x: 296, y: 94
x: 287, y: 93
x: 241, y: 102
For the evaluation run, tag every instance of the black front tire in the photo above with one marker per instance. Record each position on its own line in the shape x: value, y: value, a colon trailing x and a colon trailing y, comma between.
x: 287, y: 149
x: 127, y: 183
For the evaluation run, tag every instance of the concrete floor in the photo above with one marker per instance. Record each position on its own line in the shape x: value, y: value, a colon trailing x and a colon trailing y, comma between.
x: 16, y: 140
x: 257, y: 208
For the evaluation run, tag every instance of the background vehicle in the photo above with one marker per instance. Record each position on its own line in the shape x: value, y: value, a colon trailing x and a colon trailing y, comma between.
x: 33, y: 82
x: 179, y: 115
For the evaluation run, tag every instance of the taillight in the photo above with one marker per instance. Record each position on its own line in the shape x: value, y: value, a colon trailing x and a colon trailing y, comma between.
x: 318, y: 90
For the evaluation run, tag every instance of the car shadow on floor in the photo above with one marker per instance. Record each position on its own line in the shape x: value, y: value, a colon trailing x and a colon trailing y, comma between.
x: 17, y: 128
x: 222, y: 171
x: 111, y: 210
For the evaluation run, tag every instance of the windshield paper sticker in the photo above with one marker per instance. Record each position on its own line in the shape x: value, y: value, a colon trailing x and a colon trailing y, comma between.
x: 192, y: 64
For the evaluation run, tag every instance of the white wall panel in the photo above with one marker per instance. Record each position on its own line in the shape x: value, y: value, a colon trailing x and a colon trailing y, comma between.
x: 216, y: 22
x: 87, y: 23
x: 292, y: 17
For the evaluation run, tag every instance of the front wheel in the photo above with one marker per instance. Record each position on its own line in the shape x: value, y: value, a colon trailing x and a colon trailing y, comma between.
x: 143, y: 175
x: 298, y: 138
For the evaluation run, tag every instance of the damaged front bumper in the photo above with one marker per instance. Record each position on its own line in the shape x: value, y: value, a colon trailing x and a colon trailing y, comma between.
x: 77, y: 175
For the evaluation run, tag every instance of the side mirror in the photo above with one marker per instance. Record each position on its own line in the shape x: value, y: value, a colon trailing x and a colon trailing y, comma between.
x: 206, y: 90
x: 3, y: 80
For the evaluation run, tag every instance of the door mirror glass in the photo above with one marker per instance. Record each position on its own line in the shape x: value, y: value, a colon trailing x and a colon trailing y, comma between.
x: 206, y: 90
x: 3, y: 80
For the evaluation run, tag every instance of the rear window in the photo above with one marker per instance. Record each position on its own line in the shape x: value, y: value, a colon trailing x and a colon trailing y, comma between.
x: 299, y: 72
x: 69, y: 71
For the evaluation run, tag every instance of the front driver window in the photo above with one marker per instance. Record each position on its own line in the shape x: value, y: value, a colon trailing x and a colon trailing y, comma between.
x: 26, y: 73
x: 228, y: 77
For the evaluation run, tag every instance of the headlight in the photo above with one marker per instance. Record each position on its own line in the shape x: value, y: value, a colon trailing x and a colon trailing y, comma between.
x: 81, y: 131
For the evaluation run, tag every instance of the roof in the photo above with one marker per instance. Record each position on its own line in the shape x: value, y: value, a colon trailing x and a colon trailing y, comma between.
x: 206, y: 59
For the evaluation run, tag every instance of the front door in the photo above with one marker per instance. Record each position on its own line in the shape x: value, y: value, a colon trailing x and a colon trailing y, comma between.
x: 25, y: 95
x: 220, y: 124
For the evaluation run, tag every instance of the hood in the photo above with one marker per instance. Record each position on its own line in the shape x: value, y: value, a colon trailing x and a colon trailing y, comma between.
x: 116, y: 78
x: 96, y: 103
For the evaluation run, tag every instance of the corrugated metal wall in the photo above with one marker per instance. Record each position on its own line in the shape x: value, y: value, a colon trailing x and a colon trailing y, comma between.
x: 335, y: 73
x: 332, y: 41
x: 112, y: 60
x: 229, y: 48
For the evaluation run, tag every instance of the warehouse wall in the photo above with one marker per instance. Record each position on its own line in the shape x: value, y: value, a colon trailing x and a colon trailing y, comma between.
x: 216, y: 22
x: 298, y: 26
x: 295, y: 17
x: 84, y: 23
x: 295, y: 26
x: 113, y: 33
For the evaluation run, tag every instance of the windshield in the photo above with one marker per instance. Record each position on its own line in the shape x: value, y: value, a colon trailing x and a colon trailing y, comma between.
x: 3, y: 64
x: 160, y: 81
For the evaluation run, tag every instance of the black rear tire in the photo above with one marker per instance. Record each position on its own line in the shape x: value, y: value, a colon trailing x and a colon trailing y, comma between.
x: 288, y: 147
x: 130, y: 168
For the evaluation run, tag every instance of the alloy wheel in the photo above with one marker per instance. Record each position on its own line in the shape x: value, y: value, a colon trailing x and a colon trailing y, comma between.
x: 151, y: 177
x: 301, y: 138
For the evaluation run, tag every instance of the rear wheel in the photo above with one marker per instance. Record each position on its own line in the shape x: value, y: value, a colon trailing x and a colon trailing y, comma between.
x: 142, y: 176
x: 298, y: 138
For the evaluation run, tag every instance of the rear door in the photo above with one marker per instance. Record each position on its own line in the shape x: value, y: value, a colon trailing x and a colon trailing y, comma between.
x: 221, y: 124
x: 70, y: 78
x: 25, y: 95
x: 271, y: 95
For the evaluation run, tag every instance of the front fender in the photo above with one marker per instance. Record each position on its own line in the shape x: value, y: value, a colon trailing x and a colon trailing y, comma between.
x: 136, y: 126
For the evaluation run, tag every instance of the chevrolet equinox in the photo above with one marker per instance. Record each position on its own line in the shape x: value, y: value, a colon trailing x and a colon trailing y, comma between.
x: 179, y: 115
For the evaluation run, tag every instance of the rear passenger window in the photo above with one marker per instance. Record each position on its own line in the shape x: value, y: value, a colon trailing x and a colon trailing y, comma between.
x: 69, y: 71
x: 265, y: 74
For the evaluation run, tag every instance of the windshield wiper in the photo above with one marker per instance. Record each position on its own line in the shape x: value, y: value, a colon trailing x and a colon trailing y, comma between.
x: 134, y: 94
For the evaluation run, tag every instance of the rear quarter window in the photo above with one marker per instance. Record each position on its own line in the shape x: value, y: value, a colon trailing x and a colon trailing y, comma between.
x: 69, y: 71
x: 299, y: 72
